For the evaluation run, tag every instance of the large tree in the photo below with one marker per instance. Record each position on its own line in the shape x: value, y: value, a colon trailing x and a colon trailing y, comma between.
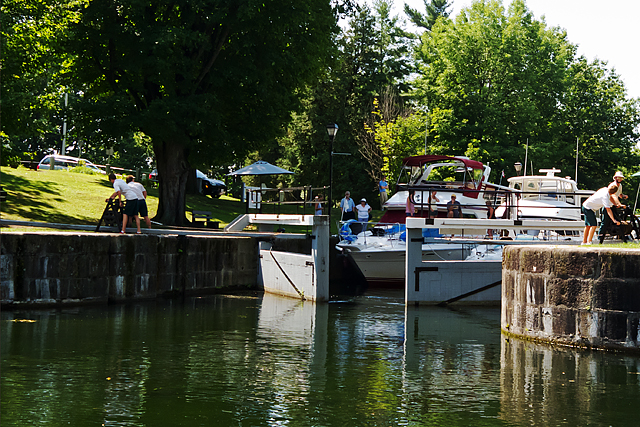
x: 434, y: 9
x: 207, y: 81
x: 33, y: 67
x: 373, y: 54
x: 496, y: 81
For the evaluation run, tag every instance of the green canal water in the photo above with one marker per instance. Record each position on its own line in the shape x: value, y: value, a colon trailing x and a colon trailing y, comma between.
x: 261, y: 360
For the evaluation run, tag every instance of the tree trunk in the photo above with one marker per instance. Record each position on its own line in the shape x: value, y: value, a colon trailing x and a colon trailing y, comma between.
x: 173, y: 170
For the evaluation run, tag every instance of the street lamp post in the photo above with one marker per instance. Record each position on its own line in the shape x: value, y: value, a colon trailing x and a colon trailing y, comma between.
x: 518, y: 167
x: 332, y: 129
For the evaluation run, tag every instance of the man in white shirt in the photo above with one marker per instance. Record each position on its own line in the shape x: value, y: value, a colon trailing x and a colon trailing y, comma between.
x: 131, y: 208
x: 603, y: 198
x: 141, y: 194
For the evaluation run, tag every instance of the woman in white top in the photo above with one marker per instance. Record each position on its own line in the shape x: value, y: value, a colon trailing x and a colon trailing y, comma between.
x: 433, y: 199
x: 363, y: 210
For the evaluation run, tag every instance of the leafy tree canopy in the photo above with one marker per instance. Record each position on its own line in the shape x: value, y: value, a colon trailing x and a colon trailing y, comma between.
x: 494, y: 80
x: 204, y: 80
x: 434, y: 9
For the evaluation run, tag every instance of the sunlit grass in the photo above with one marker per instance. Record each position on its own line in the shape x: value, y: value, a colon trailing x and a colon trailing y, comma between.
x: 75, y: 198
x: 628, y: 245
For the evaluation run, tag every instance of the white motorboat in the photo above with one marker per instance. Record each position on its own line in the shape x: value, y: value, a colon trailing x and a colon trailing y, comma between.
x: 379, y: 251
x: 545, y: 196
x: 445, y: 175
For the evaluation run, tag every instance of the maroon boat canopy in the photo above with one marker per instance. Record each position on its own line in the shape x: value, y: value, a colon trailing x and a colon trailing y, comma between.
x: 421, y: 160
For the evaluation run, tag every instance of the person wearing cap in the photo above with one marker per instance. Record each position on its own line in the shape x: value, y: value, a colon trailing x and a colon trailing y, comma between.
x: 617, y: 180
x: 363, y: 210
x: 454, y: 210
x: 347, y: 207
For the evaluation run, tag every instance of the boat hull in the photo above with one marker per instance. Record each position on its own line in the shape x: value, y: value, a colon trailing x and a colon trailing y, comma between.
x: 387, y: 268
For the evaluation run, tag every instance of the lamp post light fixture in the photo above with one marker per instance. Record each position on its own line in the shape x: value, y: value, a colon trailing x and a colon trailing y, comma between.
x: 332, y: 130
x: 518, y: 167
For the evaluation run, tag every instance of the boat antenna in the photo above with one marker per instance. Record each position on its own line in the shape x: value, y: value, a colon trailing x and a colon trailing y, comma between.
x: 577, y: 147
x: 426, y: 132
x: 526, y: 155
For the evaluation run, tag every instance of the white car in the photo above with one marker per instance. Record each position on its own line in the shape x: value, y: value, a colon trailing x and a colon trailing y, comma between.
x: 66, y: 162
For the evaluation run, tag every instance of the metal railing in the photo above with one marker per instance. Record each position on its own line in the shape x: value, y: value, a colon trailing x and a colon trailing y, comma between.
x: 304, y: 203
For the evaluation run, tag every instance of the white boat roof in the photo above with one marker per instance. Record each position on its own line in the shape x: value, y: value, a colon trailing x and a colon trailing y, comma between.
x: 550, y: 175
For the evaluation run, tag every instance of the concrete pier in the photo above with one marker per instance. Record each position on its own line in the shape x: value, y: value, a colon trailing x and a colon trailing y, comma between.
x: 69, y: 268
x: 582, y: 296
x: 62, y: 268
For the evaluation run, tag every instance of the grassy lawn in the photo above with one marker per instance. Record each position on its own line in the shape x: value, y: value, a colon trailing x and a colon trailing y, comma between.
x: 74, y: 198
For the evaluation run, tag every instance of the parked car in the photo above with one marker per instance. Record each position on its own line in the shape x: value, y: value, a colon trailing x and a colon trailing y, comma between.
x: 208, y: 186
x: 66, y: 162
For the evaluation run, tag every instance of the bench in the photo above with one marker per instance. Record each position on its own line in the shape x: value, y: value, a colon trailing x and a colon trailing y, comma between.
x: 205, y: 216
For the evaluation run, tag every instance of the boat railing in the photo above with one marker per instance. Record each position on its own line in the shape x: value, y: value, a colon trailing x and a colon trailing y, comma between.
x: 497, y: 195
x: 351, y: 230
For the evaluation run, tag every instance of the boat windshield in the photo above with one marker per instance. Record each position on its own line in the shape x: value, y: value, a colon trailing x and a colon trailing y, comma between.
x: 453, y: 174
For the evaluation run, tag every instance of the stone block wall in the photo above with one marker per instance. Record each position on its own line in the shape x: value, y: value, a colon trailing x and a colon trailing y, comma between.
x: 572, y: 295
x: 62, y: 268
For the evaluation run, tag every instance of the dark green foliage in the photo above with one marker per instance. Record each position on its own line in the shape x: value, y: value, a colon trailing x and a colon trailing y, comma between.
x: 372, y: 55
x: 495, y: 80
x: 207, y: 81
x: 33, y: 67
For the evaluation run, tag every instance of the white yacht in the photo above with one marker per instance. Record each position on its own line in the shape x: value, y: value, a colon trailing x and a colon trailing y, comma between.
x: 544, y: 196
x: 446, y: 175
x: 379, y: 250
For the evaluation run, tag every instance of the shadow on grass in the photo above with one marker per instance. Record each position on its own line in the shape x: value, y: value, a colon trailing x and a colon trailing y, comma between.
x: 32, y: 200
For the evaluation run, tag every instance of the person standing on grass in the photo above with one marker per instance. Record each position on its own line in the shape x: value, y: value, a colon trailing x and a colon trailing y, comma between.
x: 383, y: 186
x: 347, y: 207
x: 317, y: 204
x: 131, y: 208
x: 364, y: 211
x: 603, y: 198
x: 141, y: 193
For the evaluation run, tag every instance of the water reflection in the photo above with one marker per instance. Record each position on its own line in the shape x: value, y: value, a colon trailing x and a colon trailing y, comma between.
x: 547, y: 386
x: 254, y: 360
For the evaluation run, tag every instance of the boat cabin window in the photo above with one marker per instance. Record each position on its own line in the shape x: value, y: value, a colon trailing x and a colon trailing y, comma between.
x: 454, y: 175
x: 541, y: 188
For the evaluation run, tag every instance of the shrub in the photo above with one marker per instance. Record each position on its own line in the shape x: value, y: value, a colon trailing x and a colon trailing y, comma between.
x: 83, y: 169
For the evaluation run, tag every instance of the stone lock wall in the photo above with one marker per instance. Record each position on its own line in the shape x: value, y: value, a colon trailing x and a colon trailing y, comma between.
x: 59, y: 268
x: 572, y: 295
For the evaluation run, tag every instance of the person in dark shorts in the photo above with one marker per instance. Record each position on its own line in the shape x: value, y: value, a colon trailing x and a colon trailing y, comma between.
x: 141, y: 194
x: 131, y: 208
x: 603, y: 198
